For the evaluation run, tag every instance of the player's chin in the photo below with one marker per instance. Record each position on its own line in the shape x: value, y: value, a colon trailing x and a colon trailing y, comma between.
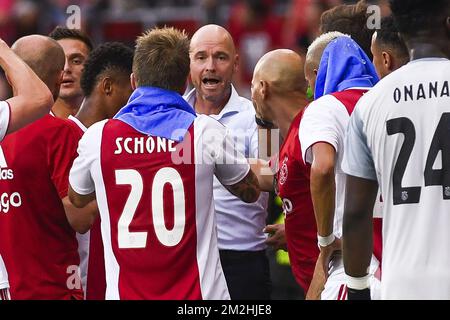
x: 69, y: 93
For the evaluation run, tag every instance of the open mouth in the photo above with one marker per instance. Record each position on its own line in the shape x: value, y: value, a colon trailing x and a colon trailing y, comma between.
x: 210, y: 81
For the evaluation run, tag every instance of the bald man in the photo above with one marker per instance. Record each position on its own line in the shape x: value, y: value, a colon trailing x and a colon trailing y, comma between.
x: 31, y: 49
x: 44, y: 263
x: 279, y: 97
x: 240, y: 225
x: 340, y: 73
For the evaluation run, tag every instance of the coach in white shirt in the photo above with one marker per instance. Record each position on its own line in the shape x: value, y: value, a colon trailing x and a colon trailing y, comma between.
x: 240, y: 225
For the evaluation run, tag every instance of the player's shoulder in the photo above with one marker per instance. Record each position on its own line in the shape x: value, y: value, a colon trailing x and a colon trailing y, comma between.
x: 96, y: 129
x: 92, y: 138
x: 324, y: 106
x: 56, y: 128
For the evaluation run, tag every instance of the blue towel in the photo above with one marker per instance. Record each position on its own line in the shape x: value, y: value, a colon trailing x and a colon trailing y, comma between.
x: 157, y: 112
x: 344, y: 65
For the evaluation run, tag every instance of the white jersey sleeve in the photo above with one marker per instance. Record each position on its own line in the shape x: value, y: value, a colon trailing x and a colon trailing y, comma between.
x: 235, y: 167
x: 324, y: 120
x: 358, y: 159
x: 230, y: 165
x: 5, y: 114
x: 3, y: 275
x: 80, y: 177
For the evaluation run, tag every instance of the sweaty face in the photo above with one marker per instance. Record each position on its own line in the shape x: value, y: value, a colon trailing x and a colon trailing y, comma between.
x: 378, y: 57
x: 213, y: 63
x: 76, y: 53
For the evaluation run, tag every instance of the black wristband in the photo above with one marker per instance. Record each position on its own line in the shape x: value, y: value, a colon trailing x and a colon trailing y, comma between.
x: 263, y: 123
x: 354, y: 294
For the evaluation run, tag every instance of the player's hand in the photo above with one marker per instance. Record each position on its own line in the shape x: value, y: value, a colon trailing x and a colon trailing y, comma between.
x: 277, y: 236
x: 318, y: 281
x: 326, y: 254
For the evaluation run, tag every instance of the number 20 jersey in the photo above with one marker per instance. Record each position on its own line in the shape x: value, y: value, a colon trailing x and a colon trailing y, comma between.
x: 155, y: 198
x: 399, y: 134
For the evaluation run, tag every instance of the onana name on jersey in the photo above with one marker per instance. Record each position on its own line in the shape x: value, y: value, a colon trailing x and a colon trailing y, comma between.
x: 422, y: 91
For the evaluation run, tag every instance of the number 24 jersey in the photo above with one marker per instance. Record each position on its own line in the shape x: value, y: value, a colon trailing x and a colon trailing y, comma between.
x: 399, y: 134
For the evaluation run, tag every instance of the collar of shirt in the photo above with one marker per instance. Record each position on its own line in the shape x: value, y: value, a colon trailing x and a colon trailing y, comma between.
x: 233, y: 105
x: 78, y: 122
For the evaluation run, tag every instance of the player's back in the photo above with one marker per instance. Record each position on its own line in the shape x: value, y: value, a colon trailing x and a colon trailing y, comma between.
x: 157, y: 214
x: 406, y: 119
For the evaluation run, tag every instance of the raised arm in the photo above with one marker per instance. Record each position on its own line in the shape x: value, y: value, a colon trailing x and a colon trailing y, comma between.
x: 32, y: 99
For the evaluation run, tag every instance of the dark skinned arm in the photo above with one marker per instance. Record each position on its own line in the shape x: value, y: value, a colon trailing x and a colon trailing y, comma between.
x: 360, y: 196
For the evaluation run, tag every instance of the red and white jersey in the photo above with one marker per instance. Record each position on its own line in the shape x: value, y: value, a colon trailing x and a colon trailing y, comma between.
x: 37, y: 244
x: 3, y: 275
x: 399, y: 135
x: 300, y: 224
x: 5, y: 116
x: 155, y: 198
x: 90, y: 249
x: 326, y: 120
x: 4, y: 122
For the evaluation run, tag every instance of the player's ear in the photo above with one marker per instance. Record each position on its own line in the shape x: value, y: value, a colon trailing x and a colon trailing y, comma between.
x: 387, y: 60
x: 107, y: 86
x: 264, y: 89
x: 236, y: 63
x: 133, y: 81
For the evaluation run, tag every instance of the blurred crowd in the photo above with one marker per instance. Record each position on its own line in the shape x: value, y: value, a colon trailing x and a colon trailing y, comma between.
x: 257, y: 26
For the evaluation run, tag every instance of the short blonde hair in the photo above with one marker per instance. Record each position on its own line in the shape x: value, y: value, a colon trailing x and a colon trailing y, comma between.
x: 161, y: 59
x: 317, y: 47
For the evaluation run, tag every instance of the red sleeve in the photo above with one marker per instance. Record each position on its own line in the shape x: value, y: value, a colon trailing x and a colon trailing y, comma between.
x: 61, y: 155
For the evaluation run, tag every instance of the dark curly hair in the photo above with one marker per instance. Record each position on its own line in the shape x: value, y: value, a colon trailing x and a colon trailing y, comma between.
x: 60, y: 33
x: 388, y: 36
x: 412, y: 16
x: 108, y: 57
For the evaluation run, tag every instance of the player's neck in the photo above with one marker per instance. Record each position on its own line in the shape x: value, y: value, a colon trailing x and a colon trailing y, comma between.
x: 204, y: 106
x: 91, y: 111
x: 419, y: 49
x: 65, y: 108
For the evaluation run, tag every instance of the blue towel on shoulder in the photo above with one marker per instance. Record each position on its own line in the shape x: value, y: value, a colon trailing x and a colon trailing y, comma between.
x: 157, y: 112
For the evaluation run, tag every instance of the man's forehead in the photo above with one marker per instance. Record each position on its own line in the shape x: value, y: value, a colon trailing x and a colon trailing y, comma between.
x: 73, y: 45
x: 208, y: 41
x: 214, y: 46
